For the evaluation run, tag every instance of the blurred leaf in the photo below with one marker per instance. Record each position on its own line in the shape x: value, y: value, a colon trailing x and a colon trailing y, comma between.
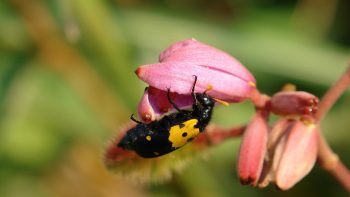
x: 40, y: 113
x: 104, y: 42
x: 13, y: 36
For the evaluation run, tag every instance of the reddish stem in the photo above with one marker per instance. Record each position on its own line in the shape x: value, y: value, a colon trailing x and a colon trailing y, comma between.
x: 216, y: 135
x: 341, y: 173
x: 332, y: 95
x: 330, y: 162
x: 327, y: 158
x: 259, y: 100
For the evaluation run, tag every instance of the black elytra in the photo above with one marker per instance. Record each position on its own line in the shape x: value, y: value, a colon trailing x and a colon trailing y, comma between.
x: 171, y: 132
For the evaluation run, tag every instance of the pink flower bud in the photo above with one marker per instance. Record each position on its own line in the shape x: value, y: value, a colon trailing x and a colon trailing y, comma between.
x: 275, y: 145
x: 296, y: 156
x: 252, y: 150
x: 227, y: 79
x: 294, y: 103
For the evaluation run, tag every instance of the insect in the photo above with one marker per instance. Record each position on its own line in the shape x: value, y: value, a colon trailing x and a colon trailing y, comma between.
x: 171, y: 132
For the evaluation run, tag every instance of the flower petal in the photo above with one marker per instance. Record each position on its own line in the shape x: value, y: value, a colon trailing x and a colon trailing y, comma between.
x: 178, y: 77
x: 277, y: 131
x: 229, y: 79
x: 197, y: 53
x: 146, y: 111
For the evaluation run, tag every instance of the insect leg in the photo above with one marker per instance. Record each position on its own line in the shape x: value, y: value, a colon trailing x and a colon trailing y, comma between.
x: 172, y: 102
x: 133, y: 119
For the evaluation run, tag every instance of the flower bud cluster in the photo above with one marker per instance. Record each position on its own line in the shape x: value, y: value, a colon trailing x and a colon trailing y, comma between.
x: 286, y: 152
x: 282, y: 154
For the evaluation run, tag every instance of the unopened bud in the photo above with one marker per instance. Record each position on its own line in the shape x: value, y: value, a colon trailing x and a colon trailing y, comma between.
x: 252, y: 150
x: 298, y: 155
x: 294, y: 103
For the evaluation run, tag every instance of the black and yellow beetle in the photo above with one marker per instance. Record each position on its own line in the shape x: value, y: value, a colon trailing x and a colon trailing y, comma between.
x: 172, y: 131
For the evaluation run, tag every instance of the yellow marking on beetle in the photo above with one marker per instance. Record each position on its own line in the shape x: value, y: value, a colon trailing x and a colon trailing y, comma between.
x: 148, y: 138
x: 177, y: 136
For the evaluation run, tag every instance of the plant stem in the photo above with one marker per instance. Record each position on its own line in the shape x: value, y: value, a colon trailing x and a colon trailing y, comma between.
x: 331, y: 163
x: 341, y: 173
x: 327, y: 158
x: 332, y: 95
x: 259, y: 100
x: 216, y: 135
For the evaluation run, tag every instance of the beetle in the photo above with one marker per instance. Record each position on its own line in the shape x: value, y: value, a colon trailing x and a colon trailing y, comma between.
x: 172, y: 131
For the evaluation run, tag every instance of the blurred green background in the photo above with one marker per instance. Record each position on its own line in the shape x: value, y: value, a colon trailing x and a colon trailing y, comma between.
x: 67, y: 85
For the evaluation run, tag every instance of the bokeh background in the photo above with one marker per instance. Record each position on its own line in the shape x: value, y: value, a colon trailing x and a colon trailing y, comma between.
x: 67, y: 85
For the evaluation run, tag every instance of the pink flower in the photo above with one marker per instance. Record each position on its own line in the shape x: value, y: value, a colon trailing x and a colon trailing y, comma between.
x: 225, y: 77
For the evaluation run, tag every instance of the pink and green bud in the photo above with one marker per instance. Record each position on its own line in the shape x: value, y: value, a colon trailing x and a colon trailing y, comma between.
x: 294, y: 103
x: 252, y: 150
x: 225, y: 77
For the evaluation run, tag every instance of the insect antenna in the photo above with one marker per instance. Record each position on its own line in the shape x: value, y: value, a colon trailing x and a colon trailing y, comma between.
x: 192, y: 92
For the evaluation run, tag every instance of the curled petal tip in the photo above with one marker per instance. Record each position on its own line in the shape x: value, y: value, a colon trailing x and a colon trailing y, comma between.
x: 138, y: 71
x: 145, y: 109
x: 154, y: 103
